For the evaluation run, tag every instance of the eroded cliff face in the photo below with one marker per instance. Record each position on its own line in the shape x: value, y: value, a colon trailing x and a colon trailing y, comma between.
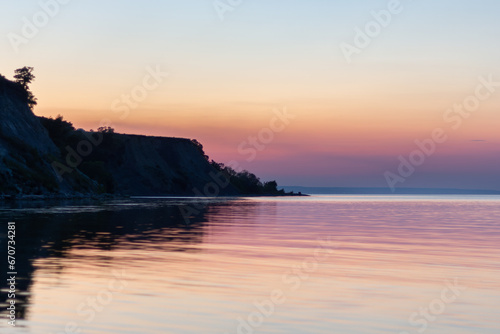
x: 24, y: 146
x: 144, y: 165
x: 18, y: 125
x: 120, y: 164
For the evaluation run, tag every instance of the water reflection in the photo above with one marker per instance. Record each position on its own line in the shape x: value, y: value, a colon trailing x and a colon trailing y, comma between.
x: 390, y: 257
x: 53, y: 230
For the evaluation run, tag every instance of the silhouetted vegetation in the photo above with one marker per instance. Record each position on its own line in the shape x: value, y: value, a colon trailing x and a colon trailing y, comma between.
x: 106, y: 129
x: 199, y: 146
x: 247, y: 183
x: 14, y: 88
x: 66, y: 138
x: 60, y: 131
x: 24, y: 77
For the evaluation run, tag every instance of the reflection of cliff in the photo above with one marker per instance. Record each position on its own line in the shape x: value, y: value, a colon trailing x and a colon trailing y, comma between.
x: 54, y: 232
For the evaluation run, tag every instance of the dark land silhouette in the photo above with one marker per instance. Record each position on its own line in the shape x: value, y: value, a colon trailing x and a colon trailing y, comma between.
x: 48, y: 157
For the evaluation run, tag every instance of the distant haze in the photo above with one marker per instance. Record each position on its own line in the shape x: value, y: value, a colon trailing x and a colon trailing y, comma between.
x: 386, y: 191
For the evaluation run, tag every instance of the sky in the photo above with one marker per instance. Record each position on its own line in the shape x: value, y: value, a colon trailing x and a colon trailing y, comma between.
x: 309, y: 93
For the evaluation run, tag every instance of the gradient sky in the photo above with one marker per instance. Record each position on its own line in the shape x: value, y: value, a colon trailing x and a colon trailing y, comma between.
x: 352, y: 121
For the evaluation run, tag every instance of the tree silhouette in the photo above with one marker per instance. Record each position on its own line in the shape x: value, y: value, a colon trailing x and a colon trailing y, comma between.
x: 24, y: 76
x: 106, y: 129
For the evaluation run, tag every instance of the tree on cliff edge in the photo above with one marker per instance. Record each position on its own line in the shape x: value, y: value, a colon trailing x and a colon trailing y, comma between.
x: 24, y: 76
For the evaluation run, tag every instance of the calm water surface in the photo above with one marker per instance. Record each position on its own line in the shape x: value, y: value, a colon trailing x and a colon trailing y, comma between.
x: 321, y: 264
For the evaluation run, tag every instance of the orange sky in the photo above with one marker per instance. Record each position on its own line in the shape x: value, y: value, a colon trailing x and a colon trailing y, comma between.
x: 352, y: 120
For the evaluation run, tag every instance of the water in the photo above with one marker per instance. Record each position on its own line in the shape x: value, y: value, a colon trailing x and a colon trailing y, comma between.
x: 320, y: 264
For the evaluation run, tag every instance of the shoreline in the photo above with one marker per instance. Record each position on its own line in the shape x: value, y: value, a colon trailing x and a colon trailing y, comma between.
x: 58, y: 197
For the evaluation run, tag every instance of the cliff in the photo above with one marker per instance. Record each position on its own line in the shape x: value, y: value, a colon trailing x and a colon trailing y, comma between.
x: 45, y: 156
x: 26, y: 150
x: 146, y: 166
x: 18, y: 125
